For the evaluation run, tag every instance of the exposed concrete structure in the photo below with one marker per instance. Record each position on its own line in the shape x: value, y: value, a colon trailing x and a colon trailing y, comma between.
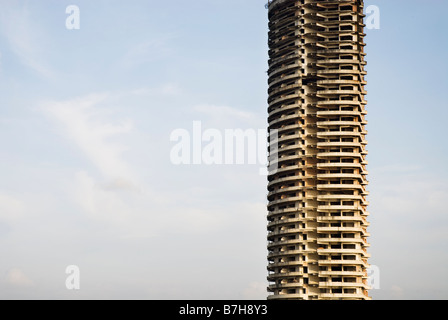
x: 317, y: 228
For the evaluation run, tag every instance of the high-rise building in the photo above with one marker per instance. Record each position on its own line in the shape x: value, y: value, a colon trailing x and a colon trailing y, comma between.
x: 317, y: 210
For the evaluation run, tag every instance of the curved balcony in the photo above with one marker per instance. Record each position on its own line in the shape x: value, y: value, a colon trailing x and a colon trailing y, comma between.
x: 282, y: 90
x: 277, y: 33
x: 282, y: 138
x: 288, y: 97
x: 273, y: 62
x: 357, y: 209
x: 276, y: 244
x: 327, y: 197
x: 292, y: 296
x: 332, y: 165
x: 339, y: 186
x: 293, y: 123
x: 332, y: 209
x: 325, y: 134
x: 284, y: 190
x: 333, y: 44
x: 278, y: 214
x: 340, y: 229
x: 339, y: 144
x: 342, y: 285
x: 342, y: 273
x: 325, y: 62
x: 274, y: 71
x: 348, y: 296
x: 341, y: 198
x: 287, y: 128
x: 325, y: 124
x: 284, y: 264
x: 326, y: 103
x: 276, y: 211
x: 339, y: 71
x: 276, y: 223
x: 284, y: 232
x: 283, y: 180
x: 275, y: 276
x: 338, y: 51
x: 323, y: 155
x: 284, y: 50
x: 329, y: 241
x: 283, y: 109
x: 278, y: 45
x: 285, y: 154
x: 335, y: 92
x: 285, y: 253
x: 280, y: 286
x: 288, y: 169
x: 278, y: 38
x: 278, y: 162
x: 325, y: 208
x: 281, y: 19
x: 284, y: 118
x: 281, y: 12
x: 289, y: 148
x: 337, y: 82
x: 284, y: 201
x: 331, y: 219
x: 279, y: 80
x: 341, y: 262
x: 273, y: 217
x: 330, y: 113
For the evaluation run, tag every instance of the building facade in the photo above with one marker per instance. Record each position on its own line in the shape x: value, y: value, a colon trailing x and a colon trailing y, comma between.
x: 317, y: 209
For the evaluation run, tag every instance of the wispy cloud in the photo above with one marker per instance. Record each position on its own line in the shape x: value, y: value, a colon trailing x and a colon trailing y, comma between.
x: 17, y: 278
x: 103, y: 204
x: 223, y: 111
x: 80, y: 121
x: 408, y: 211
x: 255, y: 291
x: 396, y: 292
x: 224, y: 116
x: 147, y: 51
x: 409, y: 194
x: 11, y: 208
x: 25, y: 38
x: 1, y: 63
x: 169, y: 89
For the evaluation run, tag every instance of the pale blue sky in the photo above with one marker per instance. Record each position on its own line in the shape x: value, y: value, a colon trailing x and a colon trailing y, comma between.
x: 86, y: 177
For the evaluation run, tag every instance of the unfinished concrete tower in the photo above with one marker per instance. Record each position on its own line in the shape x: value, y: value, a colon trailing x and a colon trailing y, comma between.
x: 317, y: 228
